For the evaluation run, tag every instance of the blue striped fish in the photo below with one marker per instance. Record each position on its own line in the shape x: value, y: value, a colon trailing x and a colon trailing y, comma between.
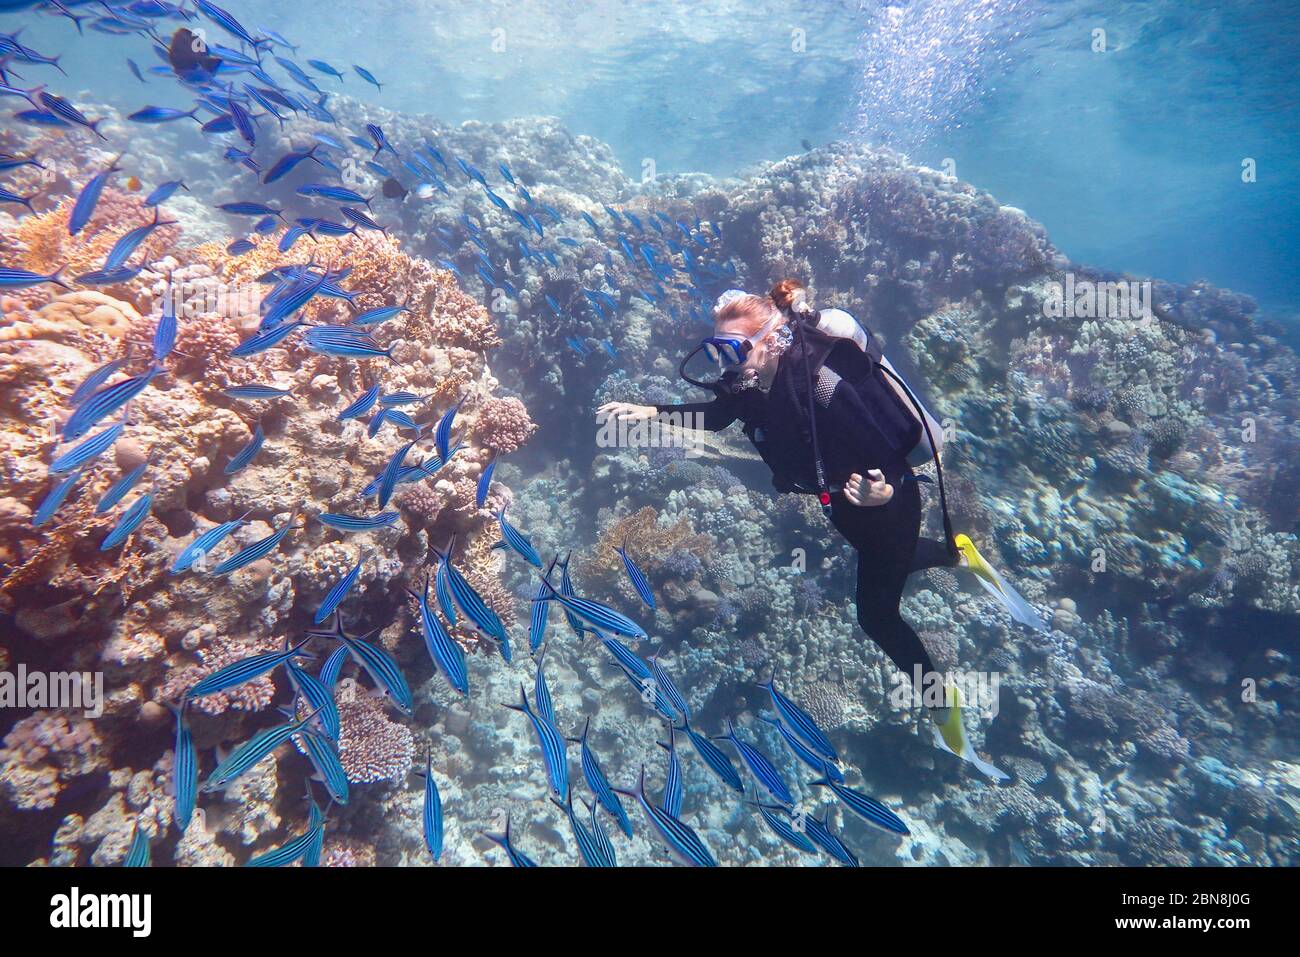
x: 801, y: 723
x: 131, y: 519
x: 93, y: 381
x: 362, y: 405
x: 588, y: 850
x: 164, y: 334
x: 432, y: 811
x: 203, y: 545
x: 138, y: 854
x: 105, y: 402
x: 628, y: 660
x: 245, y: 455
x: 867, y: 808
x: 122, y: 250
x: 484, y: 483
x: 482, y: 618
x: 388, y: 478
x: 185, y: 771
x: 601, y: 617
x: 665, y: 683
x: 119, y: 489
x: 338, y: 593
x: 54, y: 499
x: 673, y: 790
x: 442, y: 433
x: 401, y: 420
x: 251, y: 553
x: 537, y: 618
x: 779, y: 821
x: 803, y: 752
x: 604, y: 846
x: 820, y: 832
x: 285, y: 854
x: 87, y: 450
x: 252, y: 752
x: 378, y: 663
x: 296, y: 849
x: 88, y: 198
x: 442, y: 586
x: 517, y: 542
x: 683, y: 844
x: 346, y: 343
x: 650, y: 693
x: 324, y: 756
x: 380, y: 314
x: 254, y: 391
x: 445, y: 651
x: 333, y: 667
x: 552, y: 744
x: 410, y: 473
x: 377, y: 422
x: 541, y: 693
x: 318, y: 695
x: 265, y: 339
x: 566, y: 589
x: 599, y: 784
x: 762, y: 769
x: 353, y: 523
x: 516, y: 857
x: 245, y: 669
x: 715, y: 758
x: 311, y: 856
x: 636, y: 576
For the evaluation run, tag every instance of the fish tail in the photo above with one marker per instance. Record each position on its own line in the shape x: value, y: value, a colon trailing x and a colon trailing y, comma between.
x: 56, y: 277
x: 523, y: 701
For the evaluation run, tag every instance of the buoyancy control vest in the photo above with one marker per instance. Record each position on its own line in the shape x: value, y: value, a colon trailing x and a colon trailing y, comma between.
x: 831, y: 412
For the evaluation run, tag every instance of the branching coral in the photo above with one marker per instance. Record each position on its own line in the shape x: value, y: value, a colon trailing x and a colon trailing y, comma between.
x: 371, y: 747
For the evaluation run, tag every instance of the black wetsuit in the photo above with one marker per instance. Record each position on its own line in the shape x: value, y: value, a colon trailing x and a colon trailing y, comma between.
x: 860, y: 426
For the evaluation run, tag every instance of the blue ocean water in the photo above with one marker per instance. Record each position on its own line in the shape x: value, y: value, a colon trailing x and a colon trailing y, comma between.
x: 1129, y: 154
x: 1136, y: 480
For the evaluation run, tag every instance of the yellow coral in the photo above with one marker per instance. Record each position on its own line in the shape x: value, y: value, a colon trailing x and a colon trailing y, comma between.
x: 46, y: 245
x: 648, y: 542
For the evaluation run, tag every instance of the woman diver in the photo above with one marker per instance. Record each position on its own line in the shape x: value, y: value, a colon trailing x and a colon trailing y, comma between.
x: 831, y: 417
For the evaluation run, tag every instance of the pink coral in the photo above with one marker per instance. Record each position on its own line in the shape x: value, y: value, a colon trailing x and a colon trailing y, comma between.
x: 371, y: 747
x: 251, y: 696
x: 42, y: 752
x: 503, y: 425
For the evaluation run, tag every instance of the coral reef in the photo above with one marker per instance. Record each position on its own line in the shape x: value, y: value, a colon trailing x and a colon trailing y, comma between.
x: 1134, y: 476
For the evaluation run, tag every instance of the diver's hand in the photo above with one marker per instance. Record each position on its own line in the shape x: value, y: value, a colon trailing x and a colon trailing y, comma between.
x: 626, y: 411
x: 873, y: 490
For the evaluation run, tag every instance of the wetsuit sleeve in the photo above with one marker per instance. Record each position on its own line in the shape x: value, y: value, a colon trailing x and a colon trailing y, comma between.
x: 710, y: 416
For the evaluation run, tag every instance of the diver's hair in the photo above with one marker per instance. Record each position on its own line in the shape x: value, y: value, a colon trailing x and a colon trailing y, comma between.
x: 787, y: 292
x: 750, y: 313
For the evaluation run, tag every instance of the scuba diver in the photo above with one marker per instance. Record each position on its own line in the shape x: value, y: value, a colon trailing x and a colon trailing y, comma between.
x: 832, y: 418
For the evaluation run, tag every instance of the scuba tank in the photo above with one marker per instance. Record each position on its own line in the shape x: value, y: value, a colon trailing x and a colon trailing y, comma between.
x: 890, y: 430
